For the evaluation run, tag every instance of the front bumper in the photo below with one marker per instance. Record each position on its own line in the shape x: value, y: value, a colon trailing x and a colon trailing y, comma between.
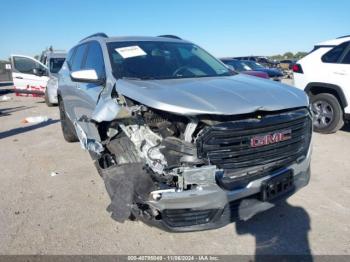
x: 210, y: 206
x: 51, y: 90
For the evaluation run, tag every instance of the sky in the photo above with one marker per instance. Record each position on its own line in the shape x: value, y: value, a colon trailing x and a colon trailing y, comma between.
x: 223, y: 27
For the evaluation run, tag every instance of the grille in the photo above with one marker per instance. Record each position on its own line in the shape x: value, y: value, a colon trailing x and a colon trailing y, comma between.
x: 188, y: 217
x: 227, y: 145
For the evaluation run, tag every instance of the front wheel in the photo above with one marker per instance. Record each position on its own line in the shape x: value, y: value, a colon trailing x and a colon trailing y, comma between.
x: 68, y: 129
x: 328, y: 114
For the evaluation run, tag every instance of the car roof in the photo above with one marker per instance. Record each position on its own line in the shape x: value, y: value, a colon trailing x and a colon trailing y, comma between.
x: 57, y: 55
x: 334, y: 42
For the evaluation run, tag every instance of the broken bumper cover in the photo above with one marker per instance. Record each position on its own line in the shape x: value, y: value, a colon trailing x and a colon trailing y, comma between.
x: 209, y: 207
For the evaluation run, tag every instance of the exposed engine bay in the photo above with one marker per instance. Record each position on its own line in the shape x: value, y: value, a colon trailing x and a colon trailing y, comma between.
x: 149, y: 154
x: 153, y: 151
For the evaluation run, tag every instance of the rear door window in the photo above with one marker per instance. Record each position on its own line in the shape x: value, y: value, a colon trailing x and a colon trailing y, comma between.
x: 78, y: 57
x: 334, y: 55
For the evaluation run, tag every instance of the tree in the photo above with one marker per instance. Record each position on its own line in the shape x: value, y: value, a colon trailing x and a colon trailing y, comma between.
x: 276, y: 57
x: 288, y: 55
x: 300, y: 55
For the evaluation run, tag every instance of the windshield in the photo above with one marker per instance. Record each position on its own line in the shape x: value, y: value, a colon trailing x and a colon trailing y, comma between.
x: 56, y: 64
x: 253, y: 65
x: 162, y: 60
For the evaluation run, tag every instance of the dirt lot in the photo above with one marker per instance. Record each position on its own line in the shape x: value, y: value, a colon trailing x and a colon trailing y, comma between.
x: 65, y: 214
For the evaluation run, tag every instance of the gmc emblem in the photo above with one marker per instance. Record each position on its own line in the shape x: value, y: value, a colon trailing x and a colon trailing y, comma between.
x: 272, y: 138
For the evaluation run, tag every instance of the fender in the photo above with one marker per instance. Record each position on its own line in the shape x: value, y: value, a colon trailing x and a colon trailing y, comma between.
x: 335, y: 88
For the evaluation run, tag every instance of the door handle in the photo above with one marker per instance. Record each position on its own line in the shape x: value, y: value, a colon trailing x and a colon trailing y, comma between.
x: 19, y: 77
x: 342, y: 73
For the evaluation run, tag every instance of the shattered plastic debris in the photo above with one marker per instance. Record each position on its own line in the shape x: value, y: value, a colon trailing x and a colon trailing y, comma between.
x: 35, y: 119
x: 5, y: 98
x: 53, y: 174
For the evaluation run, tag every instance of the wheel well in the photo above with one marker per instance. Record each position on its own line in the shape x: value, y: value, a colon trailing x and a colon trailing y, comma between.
x: 330, y: 89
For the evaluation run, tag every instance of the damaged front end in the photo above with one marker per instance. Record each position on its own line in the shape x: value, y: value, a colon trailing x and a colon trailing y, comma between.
x: 147, y: 155
x: 186, y: 173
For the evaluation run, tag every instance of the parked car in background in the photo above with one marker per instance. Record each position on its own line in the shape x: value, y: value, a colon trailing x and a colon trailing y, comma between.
x: 273, y: 73
x: 31, y: 76
x: 286, y: 64
x: 53, y: 59
x: 240, y: 67
x: 263, y: 60
x: 180, y: 141
x: 286, y: 67
x: 324, y: 74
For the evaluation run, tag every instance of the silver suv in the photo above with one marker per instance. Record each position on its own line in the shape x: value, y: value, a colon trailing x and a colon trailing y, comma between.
x: 180, y: 141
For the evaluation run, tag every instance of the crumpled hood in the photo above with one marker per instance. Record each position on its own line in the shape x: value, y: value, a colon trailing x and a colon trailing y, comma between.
x: 230, y: 95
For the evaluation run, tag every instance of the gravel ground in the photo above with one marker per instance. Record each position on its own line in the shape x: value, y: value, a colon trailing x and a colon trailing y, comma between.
x: 65, y: 214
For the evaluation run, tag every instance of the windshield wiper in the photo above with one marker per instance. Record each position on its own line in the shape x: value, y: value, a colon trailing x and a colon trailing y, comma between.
x: 130, y: 78
x: 148, y: 78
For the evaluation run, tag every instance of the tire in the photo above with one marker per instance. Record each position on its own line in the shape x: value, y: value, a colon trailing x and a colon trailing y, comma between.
x: 67, y: 126
x: 47, y: 101
x: 328, y: 113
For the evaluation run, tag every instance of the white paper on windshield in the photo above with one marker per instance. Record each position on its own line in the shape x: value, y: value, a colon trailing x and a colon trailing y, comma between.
x: 130, y: 51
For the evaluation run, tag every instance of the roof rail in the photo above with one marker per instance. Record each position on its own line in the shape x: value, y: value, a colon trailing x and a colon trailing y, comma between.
x: 94, y: 35
x: 170, y: 36
x: 343, y: 36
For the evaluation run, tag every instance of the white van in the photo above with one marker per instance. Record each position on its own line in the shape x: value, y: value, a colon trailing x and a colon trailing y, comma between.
x: 31, y: 76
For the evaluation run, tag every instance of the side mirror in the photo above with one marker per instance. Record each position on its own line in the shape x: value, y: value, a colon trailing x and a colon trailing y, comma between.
x: 86, y: 76
x: 39, y: 72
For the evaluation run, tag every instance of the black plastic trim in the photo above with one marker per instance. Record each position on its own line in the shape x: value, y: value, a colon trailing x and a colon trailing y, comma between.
x: 95, y: 35
x: 308, y: 89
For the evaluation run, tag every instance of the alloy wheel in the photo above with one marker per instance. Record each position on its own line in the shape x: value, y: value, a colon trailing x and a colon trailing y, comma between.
x: 323, y: 113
